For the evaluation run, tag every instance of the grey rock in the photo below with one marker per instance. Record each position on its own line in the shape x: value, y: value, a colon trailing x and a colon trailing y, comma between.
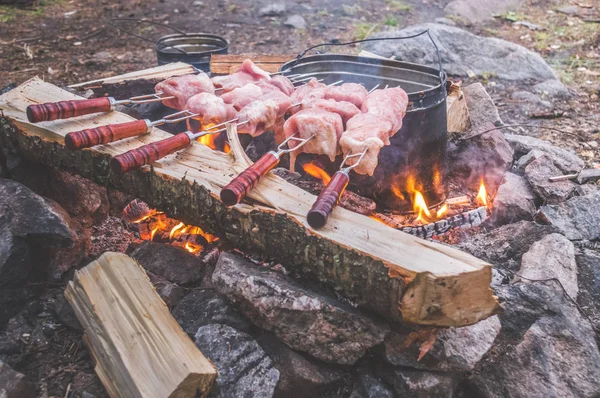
x: 545, y: 348
x: 513, y: 201
x: 538, y: 173
x: 588, y: 175
x: 455, y: 349
x: 526, y: 159
x: 244, y: 370
x: 551, y: 88
x: 203, y: 307
x: 486, y: 156
x: 445, y: 21
x: 169, y: 292
x: 306, y: 321
x: 587, y: 189
x: 531, y: 26
x: 569, y: 10
x: 552, y: 257
x: 300, y: 376
x: 475, y: 11
x: 530, y: 102
x: 366, y: 385
x: 578, y: 218
x: 13, y: 384
x: 566, y: 160
x: 464, y: 53
x: 418, y: 383
x: 588, y: 267
x: 272, y: 10
x: 295, y: 21
x: 173, y: 263
x: 504, y: 246
x: 481, y: 106
x: 64, y: 312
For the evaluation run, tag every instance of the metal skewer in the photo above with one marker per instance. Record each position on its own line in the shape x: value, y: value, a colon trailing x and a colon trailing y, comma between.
x: 238, y: 188
x: 330, y: 195
x: 114, y: 132
x: 68, y: 109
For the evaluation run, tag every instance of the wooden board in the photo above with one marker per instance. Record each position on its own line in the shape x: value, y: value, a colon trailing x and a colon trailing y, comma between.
x: 224, y: 64
x: 139, y: 348
x: 397, y: 275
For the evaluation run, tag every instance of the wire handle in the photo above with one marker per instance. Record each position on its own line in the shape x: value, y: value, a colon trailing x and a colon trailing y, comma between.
x: 426, y: 31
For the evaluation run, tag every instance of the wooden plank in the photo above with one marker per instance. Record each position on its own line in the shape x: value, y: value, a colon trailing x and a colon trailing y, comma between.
x: 139, y: 348
x: 397, y: 275
x: 225, y: 64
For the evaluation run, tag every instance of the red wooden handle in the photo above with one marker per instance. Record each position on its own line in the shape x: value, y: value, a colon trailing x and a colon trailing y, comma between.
x: 327, y: 200
x: 239, y: 187
x: 66, y: 109
x: 104, y: 134
x: 148, y: 153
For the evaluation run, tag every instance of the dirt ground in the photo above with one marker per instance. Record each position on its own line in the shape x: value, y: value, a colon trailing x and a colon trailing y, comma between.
x: 65, y: 42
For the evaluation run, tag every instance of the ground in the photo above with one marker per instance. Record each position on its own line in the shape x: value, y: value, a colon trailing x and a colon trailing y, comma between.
x: 65, y: 42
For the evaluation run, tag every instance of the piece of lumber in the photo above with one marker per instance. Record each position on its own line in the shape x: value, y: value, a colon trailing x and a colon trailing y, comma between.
x: 139, y: 348
x: 224, y: 64
x: 392, y: 273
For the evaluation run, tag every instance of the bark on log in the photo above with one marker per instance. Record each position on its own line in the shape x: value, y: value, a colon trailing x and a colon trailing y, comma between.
x: 397, y: 275
x: 139, y: 348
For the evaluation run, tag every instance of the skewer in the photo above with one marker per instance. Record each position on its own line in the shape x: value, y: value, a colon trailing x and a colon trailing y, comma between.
x: 114, y: 132
x: 238, y: 188
x: 374, y: 88
x: 330, y: 195
x: 68, y: 109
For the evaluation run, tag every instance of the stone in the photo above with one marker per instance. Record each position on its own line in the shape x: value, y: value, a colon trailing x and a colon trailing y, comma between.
x: 455, y: 349
x: 80, y: 197
x: 305, y: 320
x: 526, y: 159
x: 205, y: 306
x: 14, y: 384
x: 295, y: 21
x: 475, y: 11
x: 538, y: 173
x: 272, y: 10
x: 64, y: 312
x: 301, y: 376
x: 463, y: 53
x: 532, y: 26
x: 531, y: 103
x: 552, y: 89
x: 545, y: 348
x: 485, y: 156
x: 569, y: 10
x: 552, y: 257
x: 588, y: 267
x: 513, y: 201
x: 366, y: 385
x: 481, y: 106
x: 566, y: 160
x: 169, y: 292
x: 414, y: 383
x: 578, y: 218
x: 244, y: 370
x: 588, y: 175
x: 118, y: 200
x: 173, y: 263
x: 504, y: 246
x: 445, y: 21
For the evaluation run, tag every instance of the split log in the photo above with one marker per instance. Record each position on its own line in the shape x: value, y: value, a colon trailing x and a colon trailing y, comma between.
x: 224, y: 64
x: 139, y: 348
x: 392, y: 273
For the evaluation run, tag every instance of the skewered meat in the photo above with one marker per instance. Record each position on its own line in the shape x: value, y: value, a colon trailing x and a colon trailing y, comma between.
x: 389, y: 103
x: 258, y: 116
x: 242, y: 96
x: 345, y: 109
x: 350, y: 92
x: 326, y: 126
x: 183, y: 88
x: 309, y: 91
x: 210, y: 109
x: 282, y: 83
x: 365, y: 131
x: 282, y: 100
x: 248, y: 73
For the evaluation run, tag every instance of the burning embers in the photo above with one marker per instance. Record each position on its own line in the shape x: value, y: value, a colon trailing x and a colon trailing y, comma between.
x: 156, y: 226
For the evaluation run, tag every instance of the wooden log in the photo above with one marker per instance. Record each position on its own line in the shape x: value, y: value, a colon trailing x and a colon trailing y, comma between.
x: 139, y: 348
x: 224, y: 64
x: 392, y: 273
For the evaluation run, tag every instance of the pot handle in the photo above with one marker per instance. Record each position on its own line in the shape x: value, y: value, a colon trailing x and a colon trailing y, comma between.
x: 426, y: 31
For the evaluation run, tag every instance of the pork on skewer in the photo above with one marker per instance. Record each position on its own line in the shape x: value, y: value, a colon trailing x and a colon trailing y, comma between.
x: 183, y: 88
x: 209, y: 109
x: 350, y: 92
x: 248, y: 73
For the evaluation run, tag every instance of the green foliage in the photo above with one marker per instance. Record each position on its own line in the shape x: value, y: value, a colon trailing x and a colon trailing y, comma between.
x: 363, y: 29
x: 391, y: 21
x: 398, y: 5
x: 512, y: 16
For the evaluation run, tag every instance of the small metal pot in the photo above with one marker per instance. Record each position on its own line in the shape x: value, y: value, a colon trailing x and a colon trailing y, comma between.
x: 192, y: 48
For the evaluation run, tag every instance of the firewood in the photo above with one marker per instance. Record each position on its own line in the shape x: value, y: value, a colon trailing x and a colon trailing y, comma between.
x: 392, y: 273
x: 139, y: 348
x: 223, y: 64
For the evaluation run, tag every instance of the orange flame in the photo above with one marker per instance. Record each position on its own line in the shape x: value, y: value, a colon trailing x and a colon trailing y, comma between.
x: 482, y: 194
x: 420, y: 207
x: 317, y: 172
x: 441, y: 211
x: 153, y: 232
x: 396, y: 191
x: 175, y: 229
x: 210, y: 140
x: 192, y: 248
